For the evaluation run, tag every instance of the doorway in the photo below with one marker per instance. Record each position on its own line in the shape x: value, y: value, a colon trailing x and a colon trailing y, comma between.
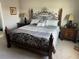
x: 1, y: 19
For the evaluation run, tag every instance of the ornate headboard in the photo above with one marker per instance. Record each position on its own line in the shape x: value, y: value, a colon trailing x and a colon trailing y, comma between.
x: 45, y: 14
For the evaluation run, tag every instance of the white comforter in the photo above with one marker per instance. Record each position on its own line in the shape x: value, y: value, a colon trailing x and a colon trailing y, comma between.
x: 40, y: 31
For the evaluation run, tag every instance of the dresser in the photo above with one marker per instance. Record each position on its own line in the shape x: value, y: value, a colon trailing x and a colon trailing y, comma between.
x: 68, y: 34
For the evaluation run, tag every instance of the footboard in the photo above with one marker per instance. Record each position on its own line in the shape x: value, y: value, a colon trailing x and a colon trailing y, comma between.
x: 50, y: 47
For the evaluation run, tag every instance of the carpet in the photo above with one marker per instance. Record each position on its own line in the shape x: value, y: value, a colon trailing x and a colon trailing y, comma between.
x: 64, y: 50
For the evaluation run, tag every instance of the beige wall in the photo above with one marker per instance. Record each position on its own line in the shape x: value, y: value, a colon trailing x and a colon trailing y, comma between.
x: 69, y: 6
x: 10, y: 20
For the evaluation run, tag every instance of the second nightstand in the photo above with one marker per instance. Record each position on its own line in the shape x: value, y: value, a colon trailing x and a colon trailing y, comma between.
x: 69, y: 34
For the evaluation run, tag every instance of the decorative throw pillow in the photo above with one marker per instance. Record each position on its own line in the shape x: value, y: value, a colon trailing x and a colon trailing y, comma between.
x: 52, y: 23
x: 41, y: 23
x: 35, y: 21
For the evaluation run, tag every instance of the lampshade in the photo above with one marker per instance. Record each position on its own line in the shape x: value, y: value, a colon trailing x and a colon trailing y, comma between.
x: 71, y: 17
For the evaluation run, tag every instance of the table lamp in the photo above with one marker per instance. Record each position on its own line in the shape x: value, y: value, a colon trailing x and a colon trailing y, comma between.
x: 71, y: 17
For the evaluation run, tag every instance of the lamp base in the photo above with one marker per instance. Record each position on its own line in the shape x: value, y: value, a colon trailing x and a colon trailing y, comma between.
x: 69, y: 25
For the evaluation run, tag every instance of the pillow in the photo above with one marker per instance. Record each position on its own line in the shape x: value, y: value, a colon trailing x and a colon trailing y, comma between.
x: 41, y: 21
x: 52, y: 23
x: 34, y: 21
x: 41, y: 24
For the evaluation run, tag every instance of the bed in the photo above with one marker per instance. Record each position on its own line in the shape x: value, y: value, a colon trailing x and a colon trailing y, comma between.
x: 39, y: 36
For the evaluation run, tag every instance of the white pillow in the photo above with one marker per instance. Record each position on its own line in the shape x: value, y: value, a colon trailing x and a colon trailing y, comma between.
x: 41, y: 24
x: 34, y: 21
x: 52, y: 23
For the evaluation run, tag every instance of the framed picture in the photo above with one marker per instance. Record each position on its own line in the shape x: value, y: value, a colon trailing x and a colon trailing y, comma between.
x: 13, y: 11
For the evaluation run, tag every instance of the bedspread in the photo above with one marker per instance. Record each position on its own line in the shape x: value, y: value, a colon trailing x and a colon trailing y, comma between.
x: 36, y: 37
x: 41, y: 32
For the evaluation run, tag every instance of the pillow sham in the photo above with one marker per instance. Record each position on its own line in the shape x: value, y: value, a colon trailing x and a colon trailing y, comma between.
x: 41, y: 23
x: 34, y: 21
x: 52, y: 23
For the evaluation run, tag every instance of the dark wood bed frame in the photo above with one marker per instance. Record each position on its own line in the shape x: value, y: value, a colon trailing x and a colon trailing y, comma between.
x: 51, y: 46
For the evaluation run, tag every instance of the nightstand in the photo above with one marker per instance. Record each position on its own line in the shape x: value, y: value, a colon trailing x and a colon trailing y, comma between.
x: 22, y: 24
x: 68, y: 34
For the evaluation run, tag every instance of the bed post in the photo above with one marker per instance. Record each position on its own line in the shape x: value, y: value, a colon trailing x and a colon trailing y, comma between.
x: 7, y: 37
x: 30, y: 14
x: 51, y: 46
x: 60, y: 17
